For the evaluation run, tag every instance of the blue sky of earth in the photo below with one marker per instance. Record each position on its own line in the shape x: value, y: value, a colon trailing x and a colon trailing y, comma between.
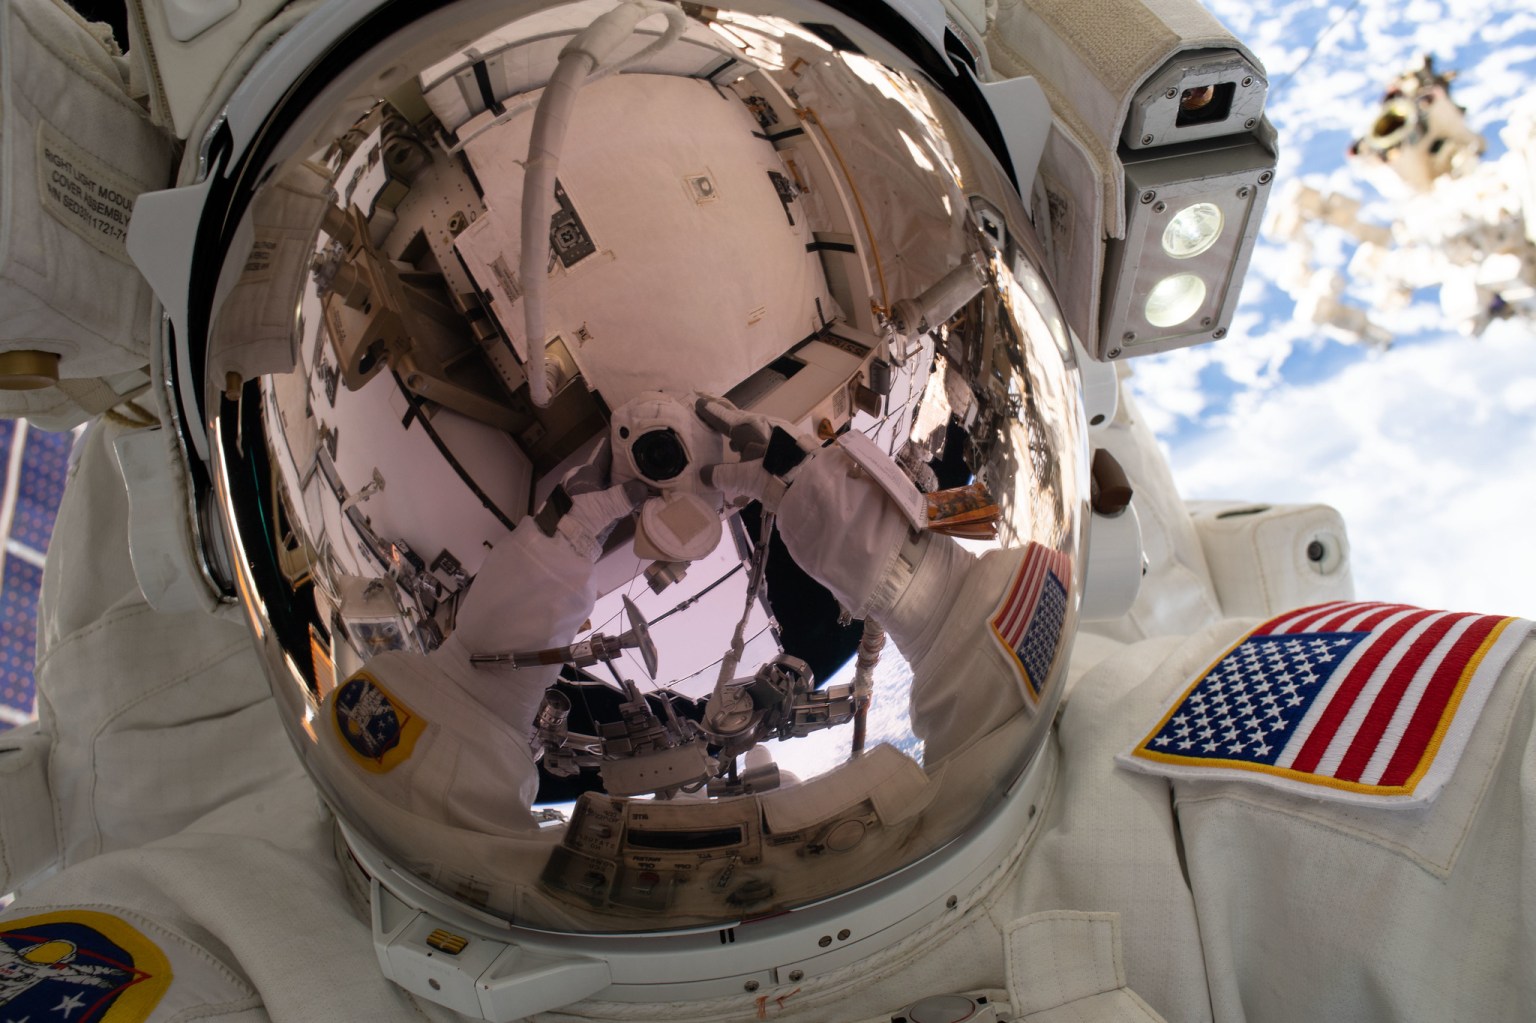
x: 1426, y: 447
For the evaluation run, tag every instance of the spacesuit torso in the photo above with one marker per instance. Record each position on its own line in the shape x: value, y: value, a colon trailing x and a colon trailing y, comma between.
x: 1197, y: 899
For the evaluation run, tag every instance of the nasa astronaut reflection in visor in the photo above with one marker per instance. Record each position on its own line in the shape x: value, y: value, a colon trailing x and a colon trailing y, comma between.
x: 1261, y: 802
x: 676, y: 456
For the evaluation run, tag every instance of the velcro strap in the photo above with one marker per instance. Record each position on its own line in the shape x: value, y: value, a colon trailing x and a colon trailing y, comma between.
x: 784, y: 452
x: 555, y: 509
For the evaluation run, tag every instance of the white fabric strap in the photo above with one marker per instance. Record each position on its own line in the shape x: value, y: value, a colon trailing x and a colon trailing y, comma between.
x: 1065, y: 966
x: 29, y: 843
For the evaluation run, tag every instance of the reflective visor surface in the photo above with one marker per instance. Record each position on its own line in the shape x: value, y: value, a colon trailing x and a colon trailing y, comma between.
x: 742, y: 210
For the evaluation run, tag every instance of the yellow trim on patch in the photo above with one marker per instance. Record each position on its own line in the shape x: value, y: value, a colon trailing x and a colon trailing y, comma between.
x: 1473, y: 664
x: 138, y: 999
x: 1406, y: 789
x: 412, y: 725
x: 1281, y: 772
x: 1017, y: 664
x: 1176, y: 704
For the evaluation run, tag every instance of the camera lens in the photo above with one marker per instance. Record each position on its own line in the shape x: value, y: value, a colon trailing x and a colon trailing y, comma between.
x: 659, y: 455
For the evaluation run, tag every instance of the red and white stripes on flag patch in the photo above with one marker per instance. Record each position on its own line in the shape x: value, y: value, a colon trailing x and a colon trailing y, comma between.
x: 1029, y: 618
x: 1371, y: 702
x: 1391, y: 709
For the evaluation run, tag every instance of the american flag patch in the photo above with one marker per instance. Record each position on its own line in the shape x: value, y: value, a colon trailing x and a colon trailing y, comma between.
x: 1029, y: 619
x: 1365, y: 703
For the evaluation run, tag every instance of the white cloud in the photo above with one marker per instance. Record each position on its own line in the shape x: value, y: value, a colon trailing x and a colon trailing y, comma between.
x: 1425, y: 452
x: 1425, y: 448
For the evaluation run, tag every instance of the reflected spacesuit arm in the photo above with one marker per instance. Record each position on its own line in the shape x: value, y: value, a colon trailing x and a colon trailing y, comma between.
x: 932, y: 596
x: 447, y: 738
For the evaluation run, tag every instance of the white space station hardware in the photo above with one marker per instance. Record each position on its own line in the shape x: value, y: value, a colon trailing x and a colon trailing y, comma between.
x: 1455, y: 221
x: 504, y: 340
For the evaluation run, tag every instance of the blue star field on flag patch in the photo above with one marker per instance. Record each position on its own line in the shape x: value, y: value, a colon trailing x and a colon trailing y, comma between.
x: 1250, y: 703
x: 1031, y: 613
x: 1370, y: 703
x: 1038, y: 650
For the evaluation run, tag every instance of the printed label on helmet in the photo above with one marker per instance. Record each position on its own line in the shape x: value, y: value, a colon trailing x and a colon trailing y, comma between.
x: 83, y: 193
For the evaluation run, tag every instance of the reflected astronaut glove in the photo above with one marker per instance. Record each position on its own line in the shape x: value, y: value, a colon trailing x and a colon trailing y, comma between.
x: 771, y: 456
x: 584, y: 508
x: 844, y: 529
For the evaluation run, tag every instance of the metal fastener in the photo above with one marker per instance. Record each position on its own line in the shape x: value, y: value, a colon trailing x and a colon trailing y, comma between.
x: 1147, y: 197
x: 750, y: 985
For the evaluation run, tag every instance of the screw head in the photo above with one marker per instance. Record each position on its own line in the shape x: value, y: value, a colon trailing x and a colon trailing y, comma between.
x: 1206, y: 321
x: 796, y: 975
x: 825, y: 940
x: 1130, y: 336
x: 1266, y: 178
x: 1160, y: 207
x: 750, y: 985
x: 1219, y: 333
x: 1172, y: 93
x: 1113, y: 353
x: 1242, y: 193
x: 951, y: 902
x: 1146, y: 140
x: 1147, y: 197
x: 843, y: 934
x: 1250, y: 122
x: 1247, y: 81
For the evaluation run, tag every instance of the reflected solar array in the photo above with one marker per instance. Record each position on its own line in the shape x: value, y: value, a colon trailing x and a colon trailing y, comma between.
x: 35, y: 469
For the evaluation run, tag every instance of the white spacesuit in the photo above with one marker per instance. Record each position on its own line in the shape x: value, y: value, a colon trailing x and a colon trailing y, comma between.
x: 1313, y: 810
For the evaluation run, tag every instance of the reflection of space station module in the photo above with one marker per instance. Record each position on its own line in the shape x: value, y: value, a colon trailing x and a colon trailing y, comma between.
x: 1460, y: 223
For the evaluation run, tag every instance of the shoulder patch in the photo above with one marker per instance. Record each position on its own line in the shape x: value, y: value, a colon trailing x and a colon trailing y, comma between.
x: 374, y: 727
x: 1028, y: 620
x: 81, y: 966
x: 1362, y: 703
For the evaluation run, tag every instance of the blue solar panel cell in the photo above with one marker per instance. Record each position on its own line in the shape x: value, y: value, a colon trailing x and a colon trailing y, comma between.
x: 41, y: 487
x: 18, y: 639
x: 28, y: 507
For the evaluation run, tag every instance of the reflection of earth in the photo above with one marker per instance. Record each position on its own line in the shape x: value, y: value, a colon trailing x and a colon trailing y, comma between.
x: 888, y: 722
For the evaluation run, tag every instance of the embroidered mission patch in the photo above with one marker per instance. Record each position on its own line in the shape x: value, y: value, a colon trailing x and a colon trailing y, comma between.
x: 81, y: 966
x: 1028, y: 620
x: 376, y: 728
x: 1365, y: 703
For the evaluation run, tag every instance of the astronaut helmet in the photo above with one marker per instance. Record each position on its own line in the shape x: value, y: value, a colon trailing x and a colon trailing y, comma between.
x: 791, y: 217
